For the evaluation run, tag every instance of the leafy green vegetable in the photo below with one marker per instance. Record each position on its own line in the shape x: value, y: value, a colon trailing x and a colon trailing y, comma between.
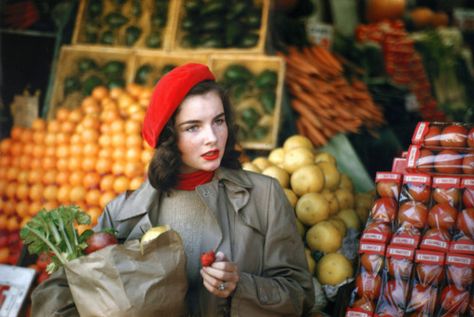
x: 54, y: 232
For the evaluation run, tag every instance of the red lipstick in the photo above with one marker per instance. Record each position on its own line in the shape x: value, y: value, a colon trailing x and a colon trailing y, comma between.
x: 211, y: 155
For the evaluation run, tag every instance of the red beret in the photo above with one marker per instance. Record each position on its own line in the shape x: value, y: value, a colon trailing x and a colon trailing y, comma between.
x: 168, y: 94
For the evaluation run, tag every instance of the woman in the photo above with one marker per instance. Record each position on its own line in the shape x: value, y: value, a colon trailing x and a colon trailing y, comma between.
x: 195, y: 185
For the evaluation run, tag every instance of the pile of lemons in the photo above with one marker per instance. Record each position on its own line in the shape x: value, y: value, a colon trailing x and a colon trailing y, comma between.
x: 324, y: 200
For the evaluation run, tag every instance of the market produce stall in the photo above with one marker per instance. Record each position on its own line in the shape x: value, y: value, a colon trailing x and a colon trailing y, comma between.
x: 369, y: 133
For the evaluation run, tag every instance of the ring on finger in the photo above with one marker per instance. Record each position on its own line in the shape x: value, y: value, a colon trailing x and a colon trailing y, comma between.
x: 221, y: 287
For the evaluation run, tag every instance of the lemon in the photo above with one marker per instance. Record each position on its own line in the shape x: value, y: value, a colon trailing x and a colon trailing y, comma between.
x: 152, y: 234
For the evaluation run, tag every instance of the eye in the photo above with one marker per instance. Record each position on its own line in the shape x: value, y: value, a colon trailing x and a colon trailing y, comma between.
x: 220, y: 121
x: 192, y: 128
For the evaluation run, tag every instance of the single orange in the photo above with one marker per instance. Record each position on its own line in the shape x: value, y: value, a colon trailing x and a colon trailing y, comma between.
x: 118, y: 126
x: 36, y: 192
x: 134, y: 140
x: 67, y: 127
x: 92, y: 197
x: 116, y: 92
x: 91, y: 180
x: 95, y: 213
x: 62, y: 177
x: 62, y: 151
x: 39, y: 137
x: 74, y: 163
x: 51, y: 204
x: 76, y: 138
x: 107, y: 182
x: 22, y: 191
x: 9, y: 207
x: 12, y: 173
x: 13, y: 223
x: 22, y: 177
x: 118, y: 167
x: 133, y: 169
x: 77, y: 194
x: 38, y: 150
x: 91, y: 149
x: 90, y: 135
x: 50, y: 138
x: 5, y: 145
x: 103, y: 165
x: 50, y: 192
x: 22, y: 209
x: 63, y: 138
x: 62, y: 164
x: 17, y: 149
x: 133, y: 154
x: 132, y: 127
x: 27, y: 136
x: 88, y: 163
x: 100, y: 92
x: 121, y: 184
x: 105, y: 152
x: 91, y: 122
x: 106, y: 197
x: 136, y: 182
x: 50, y: 176
x: 119, y: 153
x: 75, y: 178
x: 10, y: 191
x: 90, y: 105
x: 75, y: 150
x: 34, y: 208
x: 62, y: 114
x: 146, y: 156
x: 38, y: 124
x: 63, y: 194
x: 5, y: 160
x: 53, y: 126
x: 75, y: 116
x: 15, y: 133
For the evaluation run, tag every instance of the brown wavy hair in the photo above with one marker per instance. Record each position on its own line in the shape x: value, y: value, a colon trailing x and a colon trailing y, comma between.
x: 164, y: 166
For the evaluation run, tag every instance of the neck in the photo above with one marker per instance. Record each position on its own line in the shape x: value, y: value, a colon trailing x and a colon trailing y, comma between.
x: 189, y: 181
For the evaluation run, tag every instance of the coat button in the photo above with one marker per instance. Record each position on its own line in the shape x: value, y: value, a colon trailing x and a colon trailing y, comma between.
x: 206, y: 193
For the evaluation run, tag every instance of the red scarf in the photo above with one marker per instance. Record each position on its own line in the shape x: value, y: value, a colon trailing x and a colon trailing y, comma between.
x: 191, y: 180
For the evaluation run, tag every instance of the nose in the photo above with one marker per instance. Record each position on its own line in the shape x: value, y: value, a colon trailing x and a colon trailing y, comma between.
x: 210, y: 135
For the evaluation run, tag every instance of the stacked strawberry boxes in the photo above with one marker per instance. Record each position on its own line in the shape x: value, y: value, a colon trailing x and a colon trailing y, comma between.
x: 417, y: 249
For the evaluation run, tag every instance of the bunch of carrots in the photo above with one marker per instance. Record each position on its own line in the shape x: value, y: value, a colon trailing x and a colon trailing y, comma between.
x: 327, y: 103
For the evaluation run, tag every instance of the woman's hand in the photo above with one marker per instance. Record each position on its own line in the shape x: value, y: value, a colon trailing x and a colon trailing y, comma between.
x: 221, y: 277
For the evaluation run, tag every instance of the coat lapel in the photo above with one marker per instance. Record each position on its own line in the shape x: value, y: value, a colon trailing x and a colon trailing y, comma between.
x: 133, y: 213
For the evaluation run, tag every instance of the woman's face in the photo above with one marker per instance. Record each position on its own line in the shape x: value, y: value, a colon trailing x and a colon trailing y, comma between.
x: 202, y: 132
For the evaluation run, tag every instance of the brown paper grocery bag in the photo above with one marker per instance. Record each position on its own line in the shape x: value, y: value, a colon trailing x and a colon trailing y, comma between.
x: 121, y: 281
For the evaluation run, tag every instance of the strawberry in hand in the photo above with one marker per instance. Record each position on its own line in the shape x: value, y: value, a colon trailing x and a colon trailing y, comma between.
x: 207, y: 258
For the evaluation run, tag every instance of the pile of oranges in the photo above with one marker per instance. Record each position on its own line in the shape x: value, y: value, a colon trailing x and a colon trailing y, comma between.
x: 84, y: 156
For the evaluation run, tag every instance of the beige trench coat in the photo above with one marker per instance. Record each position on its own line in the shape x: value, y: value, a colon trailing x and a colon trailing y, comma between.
x: 257, y: 231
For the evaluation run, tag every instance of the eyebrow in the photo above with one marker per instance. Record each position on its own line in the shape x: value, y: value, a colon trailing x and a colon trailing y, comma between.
x: 197, y: 121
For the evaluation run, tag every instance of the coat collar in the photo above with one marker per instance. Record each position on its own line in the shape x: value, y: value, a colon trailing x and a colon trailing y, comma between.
x: 137, y: 202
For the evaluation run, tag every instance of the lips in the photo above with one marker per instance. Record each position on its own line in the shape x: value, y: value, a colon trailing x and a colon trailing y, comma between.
x: 211, y: 155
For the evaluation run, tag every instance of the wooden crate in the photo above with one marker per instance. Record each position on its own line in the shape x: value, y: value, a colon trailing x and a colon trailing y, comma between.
x: 143, y: 22
x: 256, y: 64
x: 157, y: 60
x: 177, y: 32
x: 68, y: 66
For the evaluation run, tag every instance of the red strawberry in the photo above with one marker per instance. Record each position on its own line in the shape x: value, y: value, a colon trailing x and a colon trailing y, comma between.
x: 207, y: 258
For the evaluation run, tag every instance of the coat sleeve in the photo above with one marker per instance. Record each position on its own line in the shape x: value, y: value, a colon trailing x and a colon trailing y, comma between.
x: 53, y: 297
x: 285, y: 286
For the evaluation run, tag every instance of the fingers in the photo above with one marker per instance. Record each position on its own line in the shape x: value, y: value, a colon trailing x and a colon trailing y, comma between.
x: 217, y: 287
x: 221, y: 278
x: 228, y: 273
x: 220, y: 256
